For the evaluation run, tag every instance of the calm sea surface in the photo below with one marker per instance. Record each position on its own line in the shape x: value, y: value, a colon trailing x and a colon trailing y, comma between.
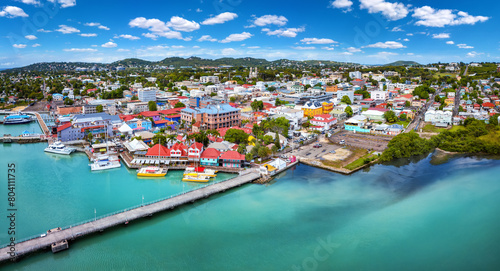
x: 413, y: 217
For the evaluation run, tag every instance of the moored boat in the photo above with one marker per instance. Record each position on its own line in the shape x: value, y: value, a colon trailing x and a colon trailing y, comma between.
x: 200, y: 171
x: 105, y: 162
x: 151, y: 172
x: 199, y: 179
x: 59, y: 148
x: 17, y: 119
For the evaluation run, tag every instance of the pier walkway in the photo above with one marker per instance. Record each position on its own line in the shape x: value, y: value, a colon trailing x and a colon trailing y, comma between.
x: 122, y: 217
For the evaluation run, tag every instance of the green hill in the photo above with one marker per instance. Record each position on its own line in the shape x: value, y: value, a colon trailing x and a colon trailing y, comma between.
x: 403, y: 63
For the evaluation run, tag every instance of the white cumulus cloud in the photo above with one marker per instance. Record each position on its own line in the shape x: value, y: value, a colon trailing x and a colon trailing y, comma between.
x: 157, y: 27
x: 36, y: 45
x: 220, y: 19
x: 237, y: 37
x: 12, y: 12
x: 441, y: 36
x: 67, y: 29
x: 80, y: 50
x: 342, y: 4
x: 304, y: 48
x: 317, y: 41
x: 270, y: 19
x: 128, y: 37
x: 450, y: 42
x: 284, y: 32
x: 464, y: 46
x: 88, y: 35
x: 19, y: 46
x: 207, y: 38
x: 473, y: 54
x: 431, y: 17
x: 392, y: 11
x: 65, y: 3
x: 387, y: 45
x: 109, y: 44
x: 181, y: 24
x: 31, y: 37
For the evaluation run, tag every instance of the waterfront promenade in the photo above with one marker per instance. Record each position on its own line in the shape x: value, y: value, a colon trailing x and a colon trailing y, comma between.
x: 125, y: 216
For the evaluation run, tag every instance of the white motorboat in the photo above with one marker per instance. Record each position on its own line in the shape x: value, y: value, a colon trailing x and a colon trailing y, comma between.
x: 59, y: 148
x: 105, y: 162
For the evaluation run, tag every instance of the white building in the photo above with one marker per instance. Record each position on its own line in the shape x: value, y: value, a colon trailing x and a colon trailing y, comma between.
x: 379, y: 95
x: 355, y: 75
x: 209, y: 79
x: 348, y: 93
x: 323, y: 122
x: 438, y: 117
x: 147, y: 94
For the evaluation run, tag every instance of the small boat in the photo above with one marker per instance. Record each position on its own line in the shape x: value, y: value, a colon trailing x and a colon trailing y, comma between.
x: 59, y: 148
x: 200, y: 171
x: 151, y: 172
x: 199, y: 179
x: 105, y: 162
x: 17, y: 119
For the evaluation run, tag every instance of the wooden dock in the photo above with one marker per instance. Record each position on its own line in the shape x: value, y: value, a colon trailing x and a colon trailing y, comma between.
x: 123, y: 217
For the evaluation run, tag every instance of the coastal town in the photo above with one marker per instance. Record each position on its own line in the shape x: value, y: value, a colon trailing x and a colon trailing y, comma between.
x: 228, y: 118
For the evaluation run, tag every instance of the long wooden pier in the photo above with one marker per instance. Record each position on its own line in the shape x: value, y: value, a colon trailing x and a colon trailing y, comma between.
x: 123, y: 217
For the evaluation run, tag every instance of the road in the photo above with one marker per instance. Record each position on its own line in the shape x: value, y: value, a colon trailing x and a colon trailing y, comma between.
x: 415, y: 124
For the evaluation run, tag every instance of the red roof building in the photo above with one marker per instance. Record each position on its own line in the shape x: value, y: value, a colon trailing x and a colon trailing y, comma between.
x: 195, y: 150
x: 210, y: 153
x: 178, y: 150
x: 232, y: 159
x: 488, y: 105
x: 158, y: 151
x: 64, y: 126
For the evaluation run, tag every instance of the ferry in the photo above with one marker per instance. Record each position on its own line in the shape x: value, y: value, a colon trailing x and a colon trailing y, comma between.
x: 199, y: 179
x: 200, y: 171
x: 17, y: 119
x: 59, y: 148
x: 105, y: 162
x: 151, y: 172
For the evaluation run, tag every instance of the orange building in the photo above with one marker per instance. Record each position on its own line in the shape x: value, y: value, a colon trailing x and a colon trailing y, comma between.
x: 327, y: 107
x: 333, y: 88
x: 65, y: 110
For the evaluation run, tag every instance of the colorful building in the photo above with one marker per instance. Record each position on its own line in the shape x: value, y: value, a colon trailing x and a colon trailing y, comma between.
x: 232, y: 159
x: 210, y: 157
x: 312, y: 109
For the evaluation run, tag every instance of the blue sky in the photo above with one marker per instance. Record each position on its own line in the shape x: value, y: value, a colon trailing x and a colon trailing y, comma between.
x: 362, y: 31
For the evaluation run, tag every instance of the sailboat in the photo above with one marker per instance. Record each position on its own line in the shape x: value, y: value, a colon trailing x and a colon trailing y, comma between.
x: 106, y: 161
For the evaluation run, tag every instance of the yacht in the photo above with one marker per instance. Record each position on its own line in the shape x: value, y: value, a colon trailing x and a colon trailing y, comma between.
x: 151, y: 172
x: 59, y: 148
x: 17, y: 119
x: 105, y: 162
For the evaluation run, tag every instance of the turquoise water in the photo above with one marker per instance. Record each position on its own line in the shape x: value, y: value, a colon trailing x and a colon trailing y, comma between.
x: 58, y: 190
x: 414, y: 217
x: 18, y: 129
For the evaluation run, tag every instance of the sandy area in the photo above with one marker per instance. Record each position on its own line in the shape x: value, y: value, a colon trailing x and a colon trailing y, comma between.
x: 340, y: 154
x: 18, y: 108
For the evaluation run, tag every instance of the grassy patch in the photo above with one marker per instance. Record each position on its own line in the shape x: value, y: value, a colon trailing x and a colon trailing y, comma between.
x: 404, y: 123
x: 429, y: 128
x: 335, y: 164
x: 361, y: 161
x: 445, y: 74
x: 492, y: 138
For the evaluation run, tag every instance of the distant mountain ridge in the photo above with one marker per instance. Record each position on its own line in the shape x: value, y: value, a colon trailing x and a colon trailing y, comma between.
x: 403, y: 63
x: 177, y: 62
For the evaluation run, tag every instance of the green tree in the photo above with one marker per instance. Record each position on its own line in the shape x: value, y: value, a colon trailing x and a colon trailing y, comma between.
x: 346, y: 100
x: 236, y: 136
x: 99, y: 108
x: 49, y: 98
x: 277, y: 141
x: 159, y: 139
x: 152, y: 106
x: 179, y: 105
x: 390, y: 116
x: 232, y: 99
x: 494, y: 120
x: 257, y: 105
x: 267, y: 139
x: 248, y: 157
x: 407, y: 104
x: 348, y: 110
x: 134, y: 98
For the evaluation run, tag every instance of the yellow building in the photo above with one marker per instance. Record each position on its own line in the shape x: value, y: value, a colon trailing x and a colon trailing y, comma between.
x: 449, y: 101
x: 327, y: 107
x: 312, y: 109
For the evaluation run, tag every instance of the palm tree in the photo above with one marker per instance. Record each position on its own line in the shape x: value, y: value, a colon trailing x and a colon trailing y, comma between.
x: 171, y: 138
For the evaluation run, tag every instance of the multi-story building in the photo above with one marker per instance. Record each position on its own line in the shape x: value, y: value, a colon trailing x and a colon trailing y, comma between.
x: 355, y: 75
x: 147, y: 94
x: 209, y: 79
x: 348, y: 93
x: 213, y: 116
x: 312, y: 109
x: 81, y: 125
x: 137, y: 107
x: 323, y: 122
x: 66, y: 109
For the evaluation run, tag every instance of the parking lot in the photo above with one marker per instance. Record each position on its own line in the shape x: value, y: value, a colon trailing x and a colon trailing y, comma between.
x: 365, y: 141
x: 310, y: 152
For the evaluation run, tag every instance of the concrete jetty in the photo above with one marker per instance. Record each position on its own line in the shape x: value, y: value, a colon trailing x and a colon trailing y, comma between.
x: 123, y: 217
